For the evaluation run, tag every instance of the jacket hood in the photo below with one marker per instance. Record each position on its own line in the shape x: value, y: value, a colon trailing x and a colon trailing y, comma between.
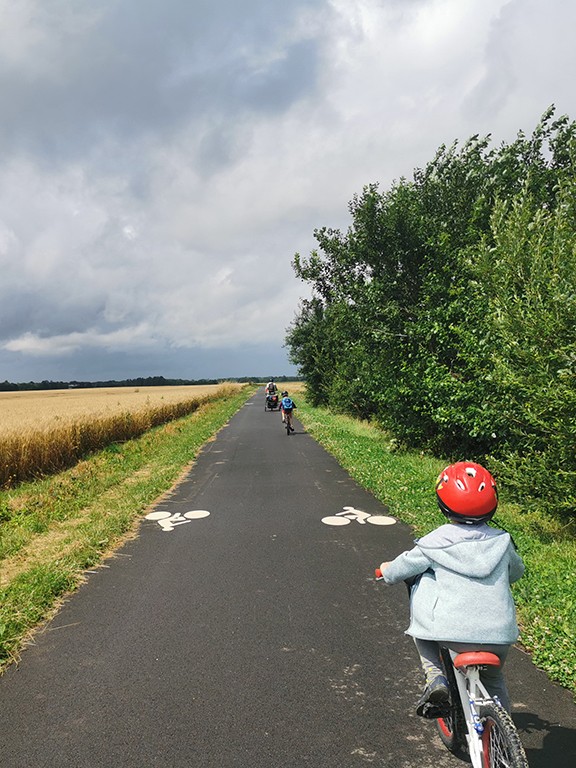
x: 474, y: 551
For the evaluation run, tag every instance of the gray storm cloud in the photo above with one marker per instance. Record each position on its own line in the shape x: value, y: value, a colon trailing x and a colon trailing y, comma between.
x: 128, y: 70
x: 161, y: 163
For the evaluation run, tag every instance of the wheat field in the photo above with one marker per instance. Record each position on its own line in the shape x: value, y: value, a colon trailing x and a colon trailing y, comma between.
x: 42, y: 432
x: 45, y: 409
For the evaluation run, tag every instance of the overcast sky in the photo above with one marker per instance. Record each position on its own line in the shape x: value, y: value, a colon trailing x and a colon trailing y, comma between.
x: 161, y: 161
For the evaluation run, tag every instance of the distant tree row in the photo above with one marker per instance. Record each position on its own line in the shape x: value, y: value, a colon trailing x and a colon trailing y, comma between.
x: 447, y: 311
x: 150, y: 381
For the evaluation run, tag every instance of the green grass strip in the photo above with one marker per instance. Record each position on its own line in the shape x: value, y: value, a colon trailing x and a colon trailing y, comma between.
x: 404, y: 481
x: 56, y: 528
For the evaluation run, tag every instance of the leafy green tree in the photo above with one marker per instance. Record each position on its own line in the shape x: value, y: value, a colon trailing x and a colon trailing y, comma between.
x: 531, y: 323
x: 309, y: 348
x: 446, y: 310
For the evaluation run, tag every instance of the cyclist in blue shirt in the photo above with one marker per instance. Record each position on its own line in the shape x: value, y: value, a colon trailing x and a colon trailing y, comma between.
x: 287, y: 405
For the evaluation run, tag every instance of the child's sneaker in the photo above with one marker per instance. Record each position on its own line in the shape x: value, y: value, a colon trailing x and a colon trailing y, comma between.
x: 435, y: 699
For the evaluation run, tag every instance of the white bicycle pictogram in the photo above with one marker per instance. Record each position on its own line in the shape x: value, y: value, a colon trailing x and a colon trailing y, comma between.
x: 168, y: 521
x: 351, y: 513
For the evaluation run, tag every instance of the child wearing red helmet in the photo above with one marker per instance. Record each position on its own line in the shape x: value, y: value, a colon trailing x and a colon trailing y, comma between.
x: 461, y: 574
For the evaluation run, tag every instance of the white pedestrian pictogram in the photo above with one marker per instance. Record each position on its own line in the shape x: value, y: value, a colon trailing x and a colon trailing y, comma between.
x: 351, y: 513
x: 168, y: 521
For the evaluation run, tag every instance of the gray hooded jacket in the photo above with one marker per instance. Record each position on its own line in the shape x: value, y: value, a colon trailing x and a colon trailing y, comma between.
x: 463, y: 594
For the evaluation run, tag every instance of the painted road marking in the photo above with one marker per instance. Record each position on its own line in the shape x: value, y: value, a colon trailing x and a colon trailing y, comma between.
x: 168, y: 521
x: 351, y: 513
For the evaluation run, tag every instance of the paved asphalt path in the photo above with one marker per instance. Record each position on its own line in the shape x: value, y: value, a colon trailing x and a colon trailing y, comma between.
x: 252, y: 636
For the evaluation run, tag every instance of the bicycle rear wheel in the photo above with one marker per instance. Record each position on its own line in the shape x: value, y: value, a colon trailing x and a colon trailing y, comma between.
x: 501, y: 744
x: 452, y: 726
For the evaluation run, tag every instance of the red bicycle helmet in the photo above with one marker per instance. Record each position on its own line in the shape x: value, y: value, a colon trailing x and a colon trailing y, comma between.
x: 467, y: 493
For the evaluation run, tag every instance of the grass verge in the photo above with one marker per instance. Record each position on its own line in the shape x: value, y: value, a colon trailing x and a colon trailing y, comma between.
x: 404, y: 481
x: 54, y: 529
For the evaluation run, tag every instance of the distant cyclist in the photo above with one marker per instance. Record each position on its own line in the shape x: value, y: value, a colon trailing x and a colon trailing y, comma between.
x: 271, y: 393
x: 287, y: 406
x: 461, y: 574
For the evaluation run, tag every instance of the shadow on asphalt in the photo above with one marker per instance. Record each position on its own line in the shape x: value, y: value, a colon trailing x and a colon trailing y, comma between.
x: 558, y: 744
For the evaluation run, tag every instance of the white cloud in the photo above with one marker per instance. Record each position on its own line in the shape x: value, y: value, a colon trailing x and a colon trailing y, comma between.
x: 34, y: 34
x: 67, y: 344
x: 161, y: 164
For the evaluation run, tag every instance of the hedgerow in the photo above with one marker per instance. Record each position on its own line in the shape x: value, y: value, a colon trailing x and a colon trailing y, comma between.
x: 446, y: 312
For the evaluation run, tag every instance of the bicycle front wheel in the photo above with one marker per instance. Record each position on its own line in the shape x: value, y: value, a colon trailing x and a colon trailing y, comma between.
x: 501, y: 745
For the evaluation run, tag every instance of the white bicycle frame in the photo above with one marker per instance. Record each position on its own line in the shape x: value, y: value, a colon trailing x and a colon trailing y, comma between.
x: 473, y: 695
x: 474, y: 698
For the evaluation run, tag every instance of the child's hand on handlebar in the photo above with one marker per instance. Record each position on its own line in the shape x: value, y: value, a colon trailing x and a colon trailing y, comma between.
x: 378, y: 572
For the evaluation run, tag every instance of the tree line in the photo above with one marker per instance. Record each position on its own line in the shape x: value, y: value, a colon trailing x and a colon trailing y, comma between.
x: 149, y: 381
x: 447, y: 310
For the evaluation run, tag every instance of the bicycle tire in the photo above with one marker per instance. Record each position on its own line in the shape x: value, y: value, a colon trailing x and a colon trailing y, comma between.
x: 452, y: 728
x: 501, y: 743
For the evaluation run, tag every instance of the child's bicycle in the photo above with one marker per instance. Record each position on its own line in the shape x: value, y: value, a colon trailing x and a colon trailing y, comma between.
x: 288, y: 422
x: 474, y: 721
